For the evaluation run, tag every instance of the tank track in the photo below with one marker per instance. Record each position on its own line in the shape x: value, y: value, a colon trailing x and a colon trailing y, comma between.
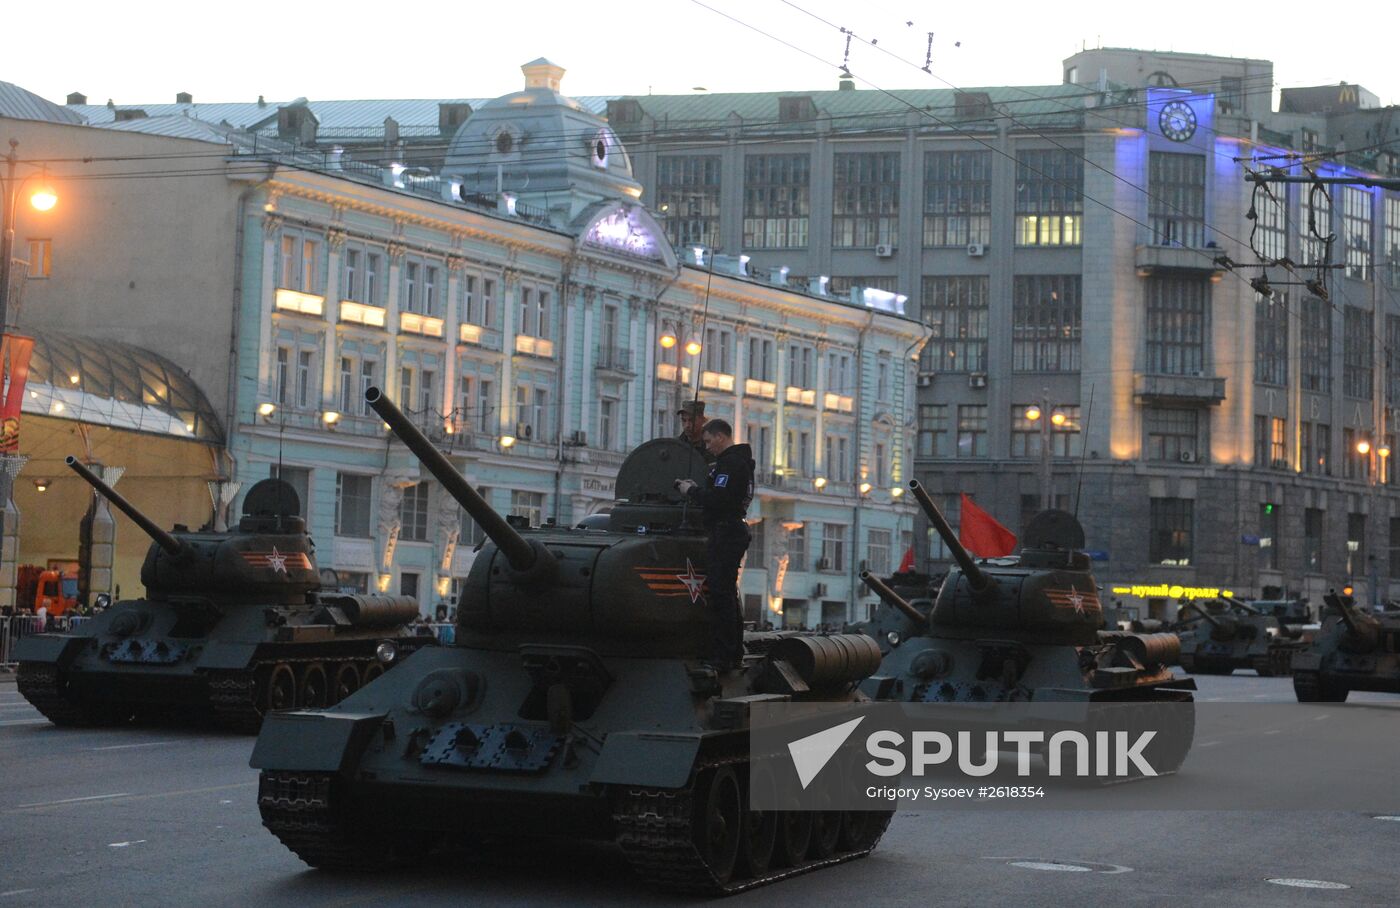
x: 43, y: 686
x: 233, y: 701
x: 1309, y: 687
x: 299, y: 808
x: 656, y: 834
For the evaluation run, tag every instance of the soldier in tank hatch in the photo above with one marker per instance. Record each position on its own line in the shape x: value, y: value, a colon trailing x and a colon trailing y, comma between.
x: 725, y: 497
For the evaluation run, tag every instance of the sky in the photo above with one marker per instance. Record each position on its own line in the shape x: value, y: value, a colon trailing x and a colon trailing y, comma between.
x: 145, y: 52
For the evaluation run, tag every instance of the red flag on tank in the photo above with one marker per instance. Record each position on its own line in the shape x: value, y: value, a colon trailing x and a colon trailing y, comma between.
x: 906, y: 563
x: 980, y: 533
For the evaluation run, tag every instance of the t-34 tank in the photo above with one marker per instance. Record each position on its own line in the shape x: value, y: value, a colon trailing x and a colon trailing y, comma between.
x: 1238, y: 636
x: 572, y: 703
x: 1024, y: 630
x: 232, y: 625
x: 1352, y: 651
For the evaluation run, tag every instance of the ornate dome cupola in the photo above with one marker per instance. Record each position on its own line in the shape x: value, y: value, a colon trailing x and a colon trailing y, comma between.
x: 543, y: 147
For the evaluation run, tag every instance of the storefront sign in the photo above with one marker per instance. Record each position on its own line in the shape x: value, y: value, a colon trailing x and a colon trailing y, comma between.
x: 1169, y: 591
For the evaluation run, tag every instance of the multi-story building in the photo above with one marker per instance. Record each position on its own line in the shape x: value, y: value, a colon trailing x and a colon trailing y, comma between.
x: 537, y: 333
x: 1083, y: 250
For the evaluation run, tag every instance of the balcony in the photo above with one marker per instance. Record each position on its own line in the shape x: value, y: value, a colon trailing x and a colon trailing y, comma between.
x: 717, y: 381
x: 354, y: 313
x: 667, y: 372
x: 615, y: 360
x: 1200, y: 390
x: 296, y: 301
x: 806, y: 397
x: 534, y: 346
x: 424, y: 325
x: 753, y: 387
x: 839, y: 403
x: 1151, y: 258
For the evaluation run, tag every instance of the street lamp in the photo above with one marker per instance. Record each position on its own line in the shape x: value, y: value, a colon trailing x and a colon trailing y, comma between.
x: 44, y: 198
x: 1035, y: 413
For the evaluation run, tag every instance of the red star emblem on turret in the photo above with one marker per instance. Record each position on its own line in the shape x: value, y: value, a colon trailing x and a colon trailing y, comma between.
x: 694, y: 582
x: 277, y: 561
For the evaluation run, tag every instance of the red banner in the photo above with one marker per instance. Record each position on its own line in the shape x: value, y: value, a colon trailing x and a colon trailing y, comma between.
x: 980, y: 533
x: 14, y: 356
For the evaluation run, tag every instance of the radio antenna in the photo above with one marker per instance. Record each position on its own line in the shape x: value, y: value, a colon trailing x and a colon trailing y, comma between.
x: 1083, y: 451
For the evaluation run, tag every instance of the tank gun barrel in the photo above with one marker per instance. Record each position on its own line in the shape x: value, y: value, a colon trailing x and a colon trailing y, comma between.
x: 1212, y: 620
x: 166, y: 541
x: 891, y: 597
x: 1243, y: 606
x: 518, y: 552
x: 975, y: 575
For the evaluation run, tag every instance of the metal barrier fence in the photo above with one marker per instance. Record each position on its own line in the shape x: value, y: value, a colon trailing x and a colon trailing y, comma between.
x: 17, y: 626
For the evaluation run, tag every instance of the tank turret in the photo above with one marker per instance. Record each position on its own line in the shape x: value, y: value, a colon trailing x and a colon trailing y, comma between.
x: 1363, y: 631
x: 1353, y: 650
x: 268, y: 557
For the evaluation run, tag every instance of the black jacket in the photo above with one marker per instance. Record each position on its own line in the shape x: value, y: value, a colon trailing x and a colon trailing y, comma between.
x: 725, y: 496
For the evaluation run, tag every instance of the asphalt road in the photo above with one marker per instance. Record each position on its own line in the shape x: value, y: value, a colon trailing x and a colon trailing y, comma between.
x: 165, y: 817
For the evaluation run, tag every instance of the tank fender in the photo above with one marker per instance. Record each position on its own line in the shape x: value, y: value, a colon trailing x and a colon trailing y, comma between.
x: 230, y: 655
x: 58, y: 649
x: 305, y: 741
x: 646, y: 758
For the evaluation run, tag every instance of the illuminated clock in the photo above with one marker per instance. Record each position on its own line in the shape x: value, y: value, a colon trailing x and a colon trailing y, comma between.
x: 1177, y: 121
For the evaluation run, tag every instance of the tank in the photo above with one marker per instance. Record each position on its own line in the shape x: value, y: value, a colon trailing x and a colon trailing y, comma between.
x: 572, y: 703
x: 232, y: 625
x: 1234, y: 635
x: 1352, y: 651
x: 1026, y: 628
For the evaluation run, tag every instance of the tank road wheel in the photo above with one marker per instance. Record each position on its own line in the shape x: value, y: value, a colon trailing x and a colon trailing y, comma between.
x: 760, y: 834
x: 794, y: 837
x: 861, y: 829
x: 312, y: 691
x: 720, y: 820
x: 347, y: 681
x: 372, y: 671
x: 1311, y: 687
x: 281, y: 690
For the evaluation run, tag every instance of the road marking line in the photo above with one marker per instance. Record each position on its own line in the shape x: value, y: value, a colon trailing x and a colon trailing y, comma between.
x: 1208, y: 744
x: 10, y: 723
x: 16, y: 892
x: 1307, y: 884
x: 120, y: 794
x: 124, y: 844
x: 141, y: 797
x: 131, y: 746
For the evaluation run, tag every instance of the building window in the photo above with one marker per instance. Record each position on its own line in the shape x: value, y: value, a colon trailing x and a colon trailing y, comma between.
x: 408, y: 584
x: 760, y: 359
x: 300, y: 262
x: 877, y: 553
x: 1176, y: 206
x: 486, y: 406
x: 1315, y: 441
x: 757, y: 557
x: 865, y: 204
x: 687, y: 197
x: 535, y: 312
x: 479, y: 300
x: 1176, y: 325
x: 529, y: 505
x: 882, y: 378
x: 532, y: 412
x: 1392, y: 360
x: 797, y: 549
x: 1312, y: 539
x: 1356, y: 544
x: 1314, y: 225
x: 1391, y: 248
x: 1357, y: 359
x: 972, y: 430
x: 1025, y: 433
x: 427, y: 401
x: 802, y: 372
x: 1045, y: 323
x: 607, y: 424
x: 777, y: 200
x: 956, y: 309
x: 368, y: 367
x: 1356, y: 226
x: 1317, y: 345
x: 282, y: 378
x: 352, y: 504
x: 1268, y: 537
x: 1278, y: 442
x: 1395, y: 547
x: 1355, y: 465
x: 1049, y: 198
x: 40, y: 258
x: 1271, y: 222
x: 957, y: 197
x: 839, y: 376
x: 347, y: 385
x: 470, y: 534
x: 951, y: 506
x: 413, y: 513
x: 933, y: 430
x: 1271, y: 339
x: 837, y: 462
x: 833, y: 547
x: 1169, y: 541
x: 719, y: 350
x: 305, y: 370
x: 361, y: 277
x: 1173, y: 434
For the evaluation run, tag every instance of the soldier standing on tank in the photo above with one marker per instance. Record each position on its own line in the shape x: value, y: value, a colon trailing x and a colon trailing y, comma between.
x: 692, y: 414
x: 725, y: 498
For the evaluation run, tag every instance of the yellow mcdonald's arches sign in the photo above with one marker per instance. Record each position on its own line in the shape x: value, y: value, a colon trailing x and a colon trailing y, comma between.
x: 1170, y: 591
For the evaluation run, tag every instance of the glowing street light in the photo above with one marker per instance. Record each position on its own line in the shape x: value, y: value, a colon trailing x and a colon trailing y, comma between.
x: 897, y: 492
x: 1363, y: 447
x: 865, y: 488
x: 1032, y: 413
x: 1057, y: 418
x: 693, y: 347
x: 668, y: 339
x: 507, y: 441
x: 819, y: 482
x: 44, y: 197
x: 266, y: 409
